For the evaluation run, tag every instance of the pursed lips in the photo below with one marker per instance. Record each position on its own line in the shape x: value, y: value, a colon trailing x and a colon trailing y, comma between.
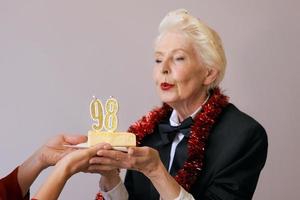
x: 166, y: 86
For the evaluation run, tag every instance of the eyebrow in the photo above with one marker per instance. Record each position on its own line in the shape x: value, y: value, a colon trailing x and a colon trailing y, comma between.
x: 174, y: 50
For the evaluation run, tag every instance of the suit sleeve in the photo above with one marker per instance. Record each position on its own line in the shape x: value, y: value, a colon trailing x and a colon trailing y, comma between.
x: 242, y: 160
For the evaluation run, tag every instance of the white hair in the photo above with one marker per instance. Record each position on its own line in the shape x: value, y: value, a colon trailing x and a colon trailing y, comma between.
x: 207, y: 42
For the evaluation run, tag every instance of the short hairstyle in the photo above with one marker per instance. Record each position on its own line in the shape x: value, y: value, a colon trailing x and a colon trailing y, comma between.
x: 207, y: 41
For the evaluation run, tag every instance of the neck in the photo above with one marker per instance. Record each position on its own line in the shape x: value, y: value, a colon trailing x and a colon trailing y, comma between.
x: 184, y: 110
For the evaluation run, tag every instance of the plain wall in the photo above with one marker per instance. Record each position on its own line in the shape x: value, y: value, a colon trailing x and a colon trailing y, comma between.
x: 55, y: 55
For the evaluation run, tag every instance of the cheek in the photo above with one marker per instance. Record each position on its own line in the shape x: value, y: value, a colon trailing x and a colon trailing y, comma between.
x: 181, y: 76
x: 188, y: 80
x: 155, y: 75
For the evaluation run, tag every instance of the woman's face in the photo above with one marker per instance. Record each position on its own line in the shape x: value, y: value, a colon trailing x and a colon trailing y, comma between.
x: 178, y: 73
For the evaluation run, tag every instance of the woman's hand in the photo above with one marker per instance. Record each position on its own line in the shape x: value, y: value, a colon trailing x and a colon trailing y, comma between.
x: 51, y: 152
x: 143, y: 159
x: 78, y: 160
x: 109, y: 173
x: 74, y: 162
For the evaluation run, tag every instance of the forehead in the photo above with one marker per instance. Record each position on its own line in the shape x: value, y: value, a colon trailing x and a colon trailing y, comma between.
x: 172, y: 41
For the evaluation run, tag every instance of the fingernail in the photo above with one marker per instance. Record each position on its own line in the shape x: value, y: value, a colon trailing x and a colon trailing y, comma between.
x: 130, y: 151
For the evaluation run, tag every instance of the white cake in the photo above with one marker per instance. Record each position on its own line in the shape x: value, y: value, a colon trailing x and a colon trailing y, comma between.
x: 116, y: 139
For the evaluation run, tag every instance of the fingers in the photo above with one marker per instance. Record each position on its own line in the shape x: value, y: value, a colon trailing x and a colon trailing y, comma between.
x: 103, y: 161
x: 138, y: 158
x: 139, y: 151
x: 119, y: 161
x: 112, y: 154
x: 94, y: 149
x: 75, y: 139
x: 132, y: 159
x: 86, y: 153
x: 102, y: 169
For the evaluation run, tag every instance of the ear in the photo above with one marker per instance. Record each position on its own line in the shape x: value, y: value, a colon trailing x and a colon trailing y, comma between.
x: 211, y: 76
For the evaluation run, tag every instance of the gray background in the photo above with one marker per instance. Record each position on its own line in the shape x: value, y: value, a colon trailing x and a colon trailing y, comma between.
x: 55, y: 55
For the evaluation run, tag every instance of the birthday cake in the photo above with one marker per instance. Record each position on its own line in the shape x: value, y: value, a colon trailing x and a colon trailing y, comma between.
x: 107, y: 118
x: 116, y: 139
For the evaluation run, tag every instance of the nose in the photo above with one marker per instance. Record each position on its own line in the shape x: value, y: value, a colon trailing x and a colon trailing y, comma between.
x: 165, y: 71
x: 165, y: 68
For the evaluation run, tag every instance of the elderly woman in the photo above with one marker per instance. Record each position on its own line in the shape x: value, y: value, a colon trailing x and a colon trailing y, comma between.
x: 197, y: 145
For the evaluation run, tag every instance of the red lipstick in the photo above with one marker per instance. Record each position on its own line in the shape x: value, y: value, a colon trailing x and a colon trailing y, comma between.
x: 166, y: 86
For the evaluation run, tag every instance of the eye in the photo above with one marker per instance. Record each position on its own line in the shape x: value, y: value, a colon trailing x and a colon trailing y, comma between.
x: 158, y: 61
x: 180, y: 58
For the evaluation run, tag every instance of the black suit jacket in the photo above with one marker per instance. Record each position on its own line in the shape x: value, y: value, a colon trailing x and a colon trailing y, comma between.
x: 235, y: 154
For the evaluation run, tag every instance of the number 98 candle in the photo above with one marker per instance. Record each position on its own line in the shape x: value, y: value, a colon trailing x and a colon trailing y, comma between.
x: 106, y: 123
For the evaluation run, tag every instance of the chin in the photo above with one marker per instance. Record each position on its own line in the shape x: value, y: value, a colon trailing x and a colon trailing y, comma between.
x: 168, y: 100
x: 167, y: 97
